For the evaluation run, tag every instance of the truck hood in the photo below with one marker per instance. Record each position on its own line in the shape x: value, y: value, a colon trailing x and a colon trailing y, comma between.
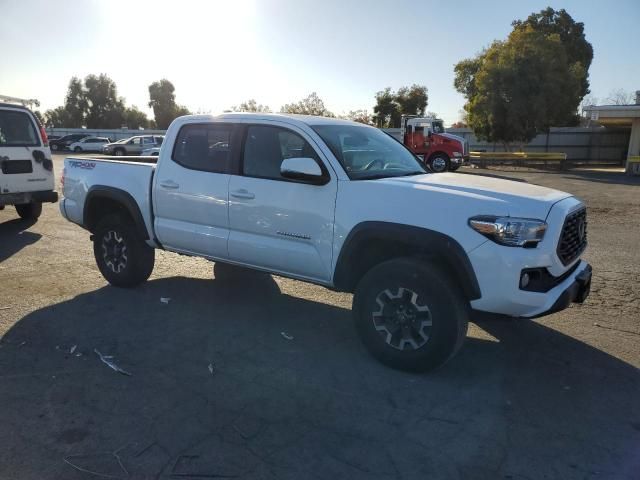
x: 503, y: 197
x: 450, y: 136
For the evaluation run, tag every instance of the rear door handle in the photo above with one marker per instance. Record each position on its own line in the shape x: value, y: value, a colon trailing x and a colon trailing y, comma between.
x: 169, y: 184
x: 242, y: 193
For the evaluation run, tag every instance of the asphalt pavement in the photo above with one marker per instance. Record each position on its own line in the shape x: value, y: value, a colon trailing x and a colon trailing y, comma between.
x: 247, y: 375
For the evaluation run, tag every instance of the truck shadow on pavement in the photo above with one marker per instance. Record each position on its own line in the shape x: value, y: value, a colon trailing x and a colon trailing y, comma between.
x: 233, y: 377
x: 14, y: 236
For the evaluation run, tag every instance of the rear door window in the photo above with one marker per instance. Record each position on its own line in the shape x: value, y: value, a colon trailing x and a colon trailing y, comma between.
x: 17, y: 130
x: 205, y: 147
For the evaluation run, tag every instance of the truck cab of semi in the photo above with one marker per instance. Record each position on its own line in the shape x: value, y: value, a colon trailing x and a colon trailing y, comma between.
x: 426, y: 137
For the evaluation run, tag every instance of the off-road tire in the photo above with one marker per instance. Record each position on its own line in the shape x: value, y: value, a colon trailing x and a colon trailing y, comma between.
x: 448, y: 312
x: 29, y: 211
x: 139, y: 258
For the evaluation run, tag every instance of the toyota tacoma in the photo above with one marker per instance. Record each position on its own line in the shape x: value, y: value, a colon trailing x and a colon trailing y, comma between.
x: 338, y: 204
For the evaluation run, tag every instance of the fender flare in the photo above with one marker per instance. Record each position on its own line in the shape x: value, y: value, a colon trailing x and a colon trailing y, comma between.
x: 120, y: 196
x: 418, y: 240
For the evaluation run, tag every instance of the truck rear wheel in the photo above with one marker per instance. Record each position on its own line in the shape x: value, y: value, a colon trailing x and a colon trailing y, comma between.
x: 410, y: 315
x: 29, y: 211
x: 439, y: 163
x: 123, y: 257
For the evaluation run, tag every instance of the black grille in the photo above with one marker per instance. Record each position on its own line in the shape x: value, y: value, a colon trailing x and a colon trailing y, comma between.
x: 573, y: 239
x: 16, y: 166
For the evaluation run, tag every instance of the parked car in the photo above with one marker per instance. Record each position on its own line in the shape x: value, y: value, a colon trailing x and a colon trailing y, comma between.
x: 26, y: 168
x: 53, y: 137
x: 63, y: 143
x: 339, y: 204
x: 133, y: 146
x: 151, y: 152
x: 89, y: 144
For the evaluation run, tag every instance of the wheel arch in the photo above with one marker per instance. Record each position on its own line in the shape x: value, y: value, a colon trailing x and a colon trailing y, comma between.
x: 370, y: 243
x: 103, y: 200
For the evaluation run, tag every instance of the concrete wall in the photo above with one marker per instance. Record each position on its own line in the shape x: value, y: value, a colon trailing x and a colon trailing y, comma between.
x: 589, y: 145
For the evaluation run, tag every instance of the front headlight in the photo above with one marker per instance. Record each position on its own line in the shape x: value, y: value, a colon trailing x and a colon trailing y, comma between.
x: 509, y: 231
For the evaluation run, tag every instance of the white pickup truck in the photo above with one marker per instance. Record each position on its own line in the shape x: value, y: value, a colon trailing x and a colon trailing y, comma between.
x: 338, y: 204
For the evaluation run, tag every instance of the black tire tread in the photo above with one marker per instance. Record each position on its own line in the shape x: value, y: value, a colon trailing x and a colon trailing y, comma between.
x: 142, y: 255
x: 448, y: 338
x: 29, y: 211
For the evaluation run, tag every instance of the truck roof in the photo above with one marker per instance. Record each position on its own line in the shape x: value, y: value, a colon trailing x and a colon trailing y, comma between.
x: 289, y: 117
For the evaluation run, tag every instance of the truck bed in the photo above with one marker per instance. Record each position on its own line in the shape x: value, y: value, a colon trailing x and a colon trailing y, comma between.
x: 132, y: 175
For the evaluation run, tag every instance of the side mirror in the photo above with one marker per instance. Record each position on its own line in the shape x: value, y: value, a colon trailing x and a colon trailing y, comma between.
x: 302, y: 168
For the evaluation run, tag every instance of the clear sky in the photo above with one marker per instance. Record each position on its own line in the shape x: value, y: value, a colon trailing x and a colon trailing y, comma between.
x: 219, y: 53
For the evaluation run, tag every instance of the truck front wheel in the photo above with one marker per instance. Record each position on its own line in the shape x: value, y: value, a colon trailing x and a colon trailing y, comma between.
x: 410, y: 315
x: 123, y: 257
x: 439, y: 163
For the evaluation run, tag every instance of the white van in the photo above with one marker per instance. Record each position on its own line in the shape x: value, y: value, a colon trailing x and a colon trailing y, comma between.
x: 26, y: 168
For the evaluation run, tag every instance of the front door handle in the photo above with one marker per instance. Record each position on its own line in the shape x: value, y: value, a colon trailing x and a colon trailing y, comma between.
x: 242, y: 193
x: 169, y: 184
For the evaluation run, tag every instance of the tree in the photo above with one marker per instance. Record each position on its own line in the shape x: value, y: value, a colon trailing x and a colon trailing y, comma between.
x: 386, y: 109
x: 459, y: 124
x: 412, y: 100
x: 360, y: 116
x: 135, y: 119
x: 94, y: 103
x: 620, y: 96
x: 251, y: 106
x: 579, y: 52
x: 104, y: 108
x: 465, y: 73
x: 520, y: 87
x: 311, y: 105
x: 390, y: 105
x: 57, y: 118
x: 163, y: 101
x: 75, y: 104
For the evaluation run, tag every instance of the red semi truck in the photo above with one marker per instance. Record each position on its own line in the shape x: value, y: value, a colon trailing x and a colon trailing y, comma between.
x: 425, y: 136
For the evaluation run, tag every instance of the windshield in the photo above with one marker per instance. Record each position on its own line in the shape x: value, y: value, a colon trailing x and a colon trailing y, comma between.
x: 367, y: 153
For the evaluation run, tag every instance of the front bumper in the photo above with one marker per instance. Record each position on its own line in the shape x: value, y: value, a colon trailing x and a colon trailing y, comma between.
x: 46, y: 196
x: 577, y: 292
